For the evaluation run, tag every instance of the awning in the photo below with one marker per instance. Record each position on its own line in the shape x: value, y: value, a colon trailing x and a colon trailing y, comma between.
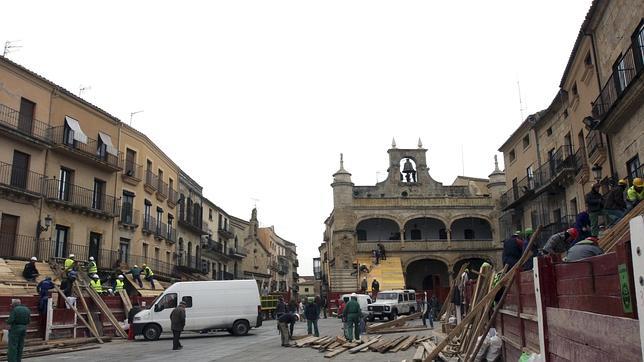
x: 107, y: 141
x: 79, y: 135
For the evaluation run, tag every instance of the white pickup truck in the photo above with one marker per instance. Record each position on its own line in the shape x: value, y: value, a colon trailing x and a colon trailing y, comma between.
x: 391, y: 303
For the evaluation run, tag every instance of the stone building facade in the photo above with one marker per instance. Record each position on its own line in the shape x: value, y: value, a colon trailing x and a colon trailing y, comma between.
x: 283, y: 262
x: 431, y: 227
x: 592, y: 130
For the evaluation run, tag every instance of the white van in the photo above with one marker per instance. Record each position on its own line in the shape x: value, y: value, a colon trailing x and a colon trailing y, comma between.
x: 231, y: 305
x: 363, y: 299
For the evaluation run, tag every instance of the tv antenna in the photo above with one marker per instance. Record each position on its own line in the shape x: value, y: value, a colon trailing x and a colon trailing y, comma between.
x: 8, y: 46
x: 82, y: 88
x: 521, y: 106
x: 132, y: 115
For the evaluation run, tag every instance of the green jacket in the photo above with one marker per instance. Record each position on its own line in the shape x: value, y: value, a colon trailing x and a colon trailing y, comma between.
x: 135, y: 272
x: 20, y: 315
x: 632, y: 194
x: 352, y: 310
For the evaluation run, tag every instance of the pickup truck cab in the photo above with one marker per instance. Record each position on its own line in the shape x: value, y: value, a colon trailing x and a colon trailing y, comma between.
x: 391, y: 303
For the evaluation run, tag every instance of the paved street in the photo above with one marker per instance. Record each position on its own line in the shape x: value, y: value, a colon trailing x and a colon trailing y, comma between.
x: 262, y: 344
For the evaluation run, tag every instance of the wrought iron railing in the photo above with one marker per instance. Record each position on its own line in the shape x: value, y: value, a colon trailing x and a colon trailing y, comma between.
x: 562, y: 160
x: 77, y: 196
x: 594, y: 142
x: 129, y: 215
x: 151, y: 180
x: 162, y: 188
x: 627, y: 69
x: 132, y: 169
x: 93, y: 149
x: 11, y: 118
x: 20, y: 178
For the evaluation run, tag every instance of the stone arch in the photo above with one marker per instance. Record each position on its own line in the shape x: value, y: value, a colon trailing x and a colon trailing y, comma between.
x: 471, y: 228
x: 380, y: 216
x: 428, y: 274
x: 475, y: 260
x: 378, y: 229
x: 425, y: 228
x: 421, y: 257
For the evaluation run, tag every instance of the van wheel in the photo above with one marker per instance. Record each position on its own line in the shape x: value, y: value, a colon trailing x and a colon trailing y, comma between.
x: 393, y: 315
x: 240, y: 328
x: 412, y: 310
x: 151, y: 332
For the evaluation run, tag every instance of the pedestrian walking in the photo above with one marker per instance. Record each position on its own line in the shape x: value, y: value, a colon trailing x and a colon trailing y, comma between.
x: 281, y: 308
x: 148, y: 275
x: 428, y: 313
x: 292, y: 308
x: 312, y: 314
x: 136, y: 275
x: 177, y: 322
x: 375, y: 288
x: 130, y: 320
x: 434, y: 305
x: 30, y: 272
x: 352, y: 313
x: 18, y: 320
x: 325, y: 305
x: 283, y: 323
x: 363, y: 285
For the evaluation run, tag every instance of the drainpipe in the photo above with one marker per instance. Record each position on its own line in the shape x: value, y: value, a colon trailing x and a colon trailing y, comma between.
x: 43, y: 184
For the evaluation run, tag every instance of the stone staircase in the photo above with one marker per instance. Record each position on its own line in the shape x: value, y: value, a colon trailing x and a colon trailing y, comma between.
x: 342, y: 280
x: 388, y: 272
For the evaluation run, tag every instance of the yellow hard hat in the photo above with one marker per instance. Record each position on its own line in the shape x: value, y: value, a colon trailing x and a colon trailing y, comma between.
x: 637, y: 182
x: 622, y: 182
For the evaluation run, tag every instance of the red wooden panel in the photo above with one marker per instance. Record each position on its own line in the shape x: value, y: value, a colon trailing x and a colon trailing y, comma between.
x: 573, y: 270
x: 527, y: 276
x: 574, y: 351
x: 531, y: 332
x: 555, y: 358
x: 576, y: 286
x: 608, y: 285
x: 510, y: 353
x: 63, y: 316
x: 528, y: 300
x: 527, y: 288
x: 592, y: 303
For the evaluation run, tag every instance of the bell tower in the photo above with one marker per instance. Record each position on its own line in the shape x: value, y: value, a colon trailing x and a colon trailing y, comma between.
x: 408, y: 167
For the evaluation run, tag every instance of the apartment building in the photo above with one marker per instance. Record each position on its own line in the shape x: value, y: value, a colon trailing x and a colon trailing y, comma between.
x: 283, y: 261
x: 592, y: 130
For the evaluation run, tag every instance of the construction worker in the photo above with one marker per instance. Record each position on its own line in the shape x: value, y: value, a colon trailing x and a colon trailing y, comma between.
x: 95, y: 283
x: 283, y: 323
x: 560, y: 242
x: 70, y: 263
x: 136, y: 275
x: 30, y: 272
x: 512, y: 249
x: 18, y: 320
x: 119, y: 285
x: 91, y: 266
x: 353, y: 314
x: 595, y: 205
x: 149, y: 275
x: 68, y: 282
x: 43, y: 290
x: 583, y: 249
x: 635, y: 193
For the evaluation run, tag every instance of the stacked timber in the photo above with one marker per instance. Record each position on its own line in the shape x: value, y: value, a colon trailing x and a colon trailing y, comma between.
x: 332, y: 346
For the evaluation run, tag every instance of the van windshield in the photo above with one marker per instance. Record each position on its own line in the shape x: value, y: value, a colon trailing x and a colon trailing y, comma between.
x: 388, y: 296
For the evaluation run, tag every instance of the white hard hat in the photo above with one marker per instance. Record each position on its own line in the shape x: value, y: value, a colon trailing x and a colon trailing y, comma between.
x: 136, y: 266
x: 72, y: 256
x: 91, y: 258
x: 110, y: 290
x: 95, y: 276
x: 352, y: 294
x: 33, y: 258
x: 121, y: 277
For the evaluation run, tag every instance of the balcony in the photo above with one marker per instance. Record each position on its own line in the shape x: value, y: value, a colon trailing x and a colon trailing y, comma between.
x: 23, y: 128
x: 93, y: 151
x: 433, y: 246
x: 151, y: 182
x: 149, y: 225
x: 520, y: 191
x: 295, y: 277
x: 162, y: 190
x: 129, y: 217
x: 195, y: 225
x: 222, y: 275
x: 225, y: 233
x: 560, y: 170
x: 69, y: 196
x: 625, y: 77
x: 597, y: 151
x: 132, y: 172
x: 163, y: 231
x: 236, y: 253
x: 20, y: 182
x: 173, y: 197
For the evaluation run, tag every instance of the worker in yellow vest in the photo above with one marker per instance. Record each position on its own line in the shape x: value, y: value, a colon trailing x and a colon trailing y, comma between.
x: 91, y: 266
x: 149, y: 275
x: 70, y: 263
x: 95, y: 283
x: 119, y: 285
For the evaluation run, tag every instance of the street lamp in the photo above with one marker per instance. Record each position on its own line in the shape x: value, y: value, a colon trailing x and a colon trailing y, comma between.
x: 597, y: 172
x: 48, y: 221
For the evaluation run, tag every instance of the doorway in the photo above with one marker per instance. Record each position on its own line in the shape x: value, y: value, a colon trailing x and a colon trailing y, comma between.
x: 8, y: 234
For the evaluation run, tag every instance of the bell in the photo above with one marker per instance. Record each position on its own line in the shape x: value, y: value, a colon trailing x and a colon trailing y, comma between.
x: 408, y: 167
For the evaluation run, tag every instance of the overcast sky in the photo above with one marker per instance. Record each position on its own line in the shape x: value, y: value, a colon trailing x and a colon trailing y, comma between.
x: 257, y: 99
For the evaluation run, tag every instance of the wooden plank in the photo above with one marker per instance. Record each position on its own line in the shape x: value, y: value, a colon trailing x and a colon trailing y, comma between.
x: 106, y: 311
x: 394, y: 322
x: 397, y: 347
x: 420, y: 353
x: 78, y: 315
x: 616, y: 336
x: 365, y: 345
x: 335, y: 353
x: 447, y: 303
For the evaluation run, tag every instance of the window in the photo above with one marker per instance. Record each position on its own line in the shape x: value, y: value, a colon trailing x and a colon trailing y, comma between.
x: 65, y: 183
x: 160, y: 178
x: 124, y: 249
x: 147, y: 210
x: 633, y: 168
x: 167, y: 301
x: 526, y: 141
x: 188, y: 300
x: 513, y: 156
x: 638, y: 46
x: 149, y: 165
x: 26, y: 115
x: 130, y: 162
x: 99, y: 194
x: 210, y: 214
x: 575, y: 91
x: 415, y: 234
x: 170, y: 184
x: 306, y: 290
x: 127, y: 208
x: 156, y: 253
x: 20, y: 169
x: 60, y: 241
x: 159, y: 219
x: 549, y: 131
x: 530, y: 175
x: 170, y: 221
x: 620, y: 70
x: 468, y: 234
x: 588, y: 60
x: 145, y: 251
x: 167, y: 257
x: 574, y: 210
